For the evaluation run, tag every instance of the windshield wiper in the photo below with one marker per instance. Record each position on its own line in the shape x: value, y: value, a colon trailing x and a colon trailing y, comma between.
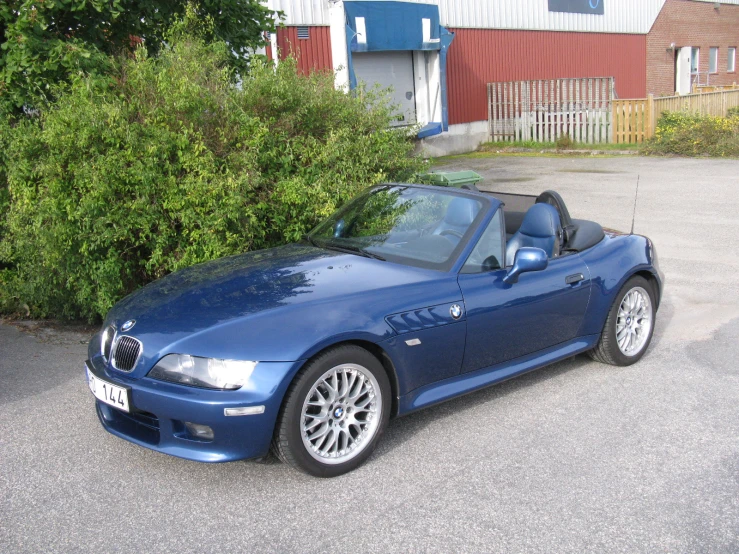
x: 311, y: 240
x: 349, y: 249
x: 369, y: 254
x: 354, y: 250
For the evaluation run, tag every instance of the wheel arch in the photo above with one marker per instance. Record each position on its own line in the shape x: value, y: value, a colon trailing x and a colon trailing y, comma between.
x: 375, y: 350
x: 652, y: 280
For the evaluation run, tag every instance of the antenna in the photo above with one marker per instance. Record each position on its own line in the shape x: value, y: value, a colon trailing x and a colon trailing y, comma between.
x: 636, y: 197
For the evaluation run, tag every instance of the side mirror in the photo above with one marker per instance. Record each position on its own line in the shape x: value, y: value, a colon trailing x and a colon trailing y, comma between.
x: 527, y: 259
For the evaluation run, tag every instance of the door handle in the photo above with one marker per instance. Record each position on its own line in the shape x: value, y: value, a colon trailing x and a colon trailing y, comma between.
x: 574, y: 278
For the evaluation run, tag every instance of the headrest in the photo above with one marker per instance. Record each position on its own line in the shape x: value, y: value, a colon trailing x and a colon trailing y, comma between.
x: 541, y: 220
x: 461, y: 212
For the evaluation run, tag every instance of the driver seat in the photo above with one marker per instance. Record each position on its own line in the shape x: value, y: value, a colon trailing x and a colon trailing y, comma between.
x: 459, y: 215
x: 541, y: 228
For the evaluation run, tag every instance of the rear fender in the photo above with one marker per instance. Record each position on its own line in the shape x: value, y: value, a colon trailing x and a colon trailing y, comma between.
x: 612, y: 262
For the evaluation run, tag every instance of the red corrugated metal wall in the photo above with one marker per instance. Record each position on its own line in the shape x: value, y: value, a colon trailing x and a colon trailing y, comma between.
x: 481, y: 56
x: 312, y: 53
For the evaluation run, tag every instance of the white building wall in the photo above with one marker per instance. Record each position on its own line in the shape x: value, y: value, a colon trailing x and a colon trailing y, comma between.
x: 303, y: 12
x: 622, y: 16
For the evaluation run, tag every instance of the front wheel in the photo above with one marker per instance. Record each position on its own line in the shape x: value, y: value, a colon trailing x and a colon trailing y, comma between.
x: 629, y: 326
x: 334, y: 412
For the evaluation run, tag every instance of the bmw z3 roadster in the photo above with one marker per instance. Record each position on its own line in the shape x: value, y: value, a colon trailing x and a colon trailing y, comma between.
x: 408, y: 296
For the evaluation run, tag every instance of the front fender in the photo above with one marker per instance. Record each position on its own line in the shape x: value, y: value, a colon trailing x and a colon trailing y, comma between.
x: 285, y: 335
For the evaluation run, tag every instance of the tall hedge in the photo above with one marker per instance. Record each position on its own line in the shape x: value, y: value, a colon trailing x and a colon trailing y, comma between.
x: 171, y: 163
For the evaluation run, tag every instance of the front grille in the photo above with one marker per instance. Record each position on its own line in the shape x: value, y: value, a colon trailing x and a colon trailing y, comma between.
x: 127, y: 352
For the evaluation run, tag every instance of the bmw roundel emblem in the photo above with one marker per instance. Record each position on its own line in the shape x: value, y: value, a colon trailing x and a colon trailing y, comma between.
x: 456, y: 311
x: 128, y: 325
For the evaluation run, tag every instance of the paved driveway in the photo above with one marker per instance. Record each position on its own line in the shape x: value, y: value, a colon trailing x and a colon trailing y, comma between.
x: 578, y: 457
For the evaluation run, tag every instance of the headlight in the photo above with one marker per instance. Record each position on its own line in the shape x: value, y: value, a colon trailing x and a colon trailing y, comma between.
x: 210, y: 373
x: 106, y: 341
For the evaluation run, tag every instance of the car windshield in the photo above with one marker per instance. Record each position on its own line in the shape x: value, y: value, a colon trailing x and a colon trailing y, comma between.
x: 417, y: 226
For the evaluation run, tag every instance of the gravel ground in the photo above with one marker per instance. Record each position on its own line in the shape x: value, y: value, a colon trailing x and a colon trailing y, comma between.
x: 577, y: 457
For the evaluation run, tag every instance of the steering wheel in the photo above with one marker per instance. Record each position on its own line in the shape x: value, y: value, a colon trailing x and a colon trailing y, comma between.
x: 452, y: 232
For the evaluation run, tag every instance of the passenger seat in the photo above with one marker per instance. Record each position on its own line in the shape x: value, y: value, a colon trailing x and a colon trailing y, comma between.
x: 540, y: 228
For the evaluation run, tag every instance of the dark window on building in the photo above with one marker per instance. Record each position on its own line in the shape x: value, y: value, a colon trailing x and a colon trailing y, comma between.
x: 304, y: 32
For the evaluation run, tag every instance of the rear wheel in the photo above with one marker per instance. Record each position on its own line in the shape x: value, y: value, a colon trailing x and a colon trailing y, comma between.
x: 334, y: 412
x: 629, y: 326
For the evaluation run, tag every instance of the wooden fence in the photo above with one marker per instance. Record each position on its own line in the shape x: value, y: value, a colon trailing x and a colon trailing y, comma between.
x: 705, y: 103
x: 634, y: 121
x: 714, y: 88
x: 543, y: 111
x: 584, y: 109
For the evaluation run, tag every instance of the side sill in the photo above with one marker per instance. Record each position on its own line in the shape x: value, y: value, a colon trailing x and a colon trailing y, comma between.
x: 465, y: 383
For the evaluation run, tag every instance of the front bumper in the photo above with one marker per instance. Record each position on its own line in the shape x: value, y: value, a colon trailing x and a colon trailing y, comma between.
x: 159, y: 411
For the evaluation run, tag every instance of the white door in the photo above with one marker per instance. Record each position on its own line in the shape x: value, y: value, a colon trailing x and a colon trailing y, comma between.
x: 390, y: 70
x: 683, y: 64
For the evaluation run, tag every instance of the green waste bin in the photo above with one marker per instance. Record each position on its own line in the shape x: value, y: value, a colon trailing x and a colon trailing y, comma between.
x: 458, y: 179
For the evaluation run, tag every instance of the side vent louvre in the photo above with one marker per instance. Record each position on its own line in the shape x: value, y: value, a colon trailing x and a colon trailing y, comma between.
x: 304, y: 32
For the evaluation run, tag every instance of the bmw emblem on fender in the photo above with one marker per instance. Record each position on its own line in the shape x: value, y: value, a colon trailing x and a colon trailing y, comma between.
x: 128, y: 325
x: 456, y: 311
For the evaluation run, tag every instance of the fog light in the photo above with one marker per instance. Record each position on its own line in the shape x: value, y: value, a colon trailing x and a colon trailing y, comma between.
x: 202, y: 432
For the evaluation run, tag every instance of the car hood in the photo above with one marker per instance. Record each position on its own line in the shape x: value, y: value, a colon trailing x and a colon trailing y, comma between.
x: 274, y: 305
x: 207, y: 294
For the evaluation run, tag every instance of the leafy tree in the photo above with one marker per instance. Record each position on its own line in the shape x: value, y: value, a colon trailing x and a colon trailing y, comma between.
x: 46, y: 43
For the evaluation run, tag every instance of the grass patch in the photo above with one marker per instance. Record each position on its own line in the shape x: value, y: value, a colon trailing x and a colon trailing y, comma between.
x: 493, y: 154
x: 539, y: 146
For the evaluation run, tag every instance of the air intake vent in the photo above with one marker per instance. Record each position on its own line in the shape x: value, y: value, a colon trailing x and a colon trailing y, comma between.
x: 127, y: 352
x: 303, y: 32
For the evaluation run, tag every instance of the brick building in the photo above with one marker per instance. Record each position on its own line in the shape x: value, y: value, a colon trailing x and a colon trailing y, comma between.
x: 701, y: 35
x: 439, y: 55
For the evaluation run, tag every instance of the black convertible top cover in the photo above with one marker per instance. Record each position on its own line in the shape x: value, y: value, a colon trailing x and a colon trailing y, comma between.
x: 578, y: 234
x: 582, y: 235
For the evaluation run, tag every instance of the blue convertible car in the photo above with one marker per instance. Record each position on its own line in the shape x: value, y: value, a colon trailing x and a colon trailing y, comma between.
x: 408, y: 296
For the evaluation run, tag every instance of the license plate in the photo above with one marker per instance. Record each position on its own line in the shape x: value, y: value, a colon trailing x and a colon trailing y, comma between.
x: 108, y: 392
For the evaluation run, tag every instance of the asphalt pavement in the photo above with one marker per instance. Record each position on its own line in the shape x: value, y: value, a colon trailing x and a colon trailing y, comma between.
x: 578, y: 457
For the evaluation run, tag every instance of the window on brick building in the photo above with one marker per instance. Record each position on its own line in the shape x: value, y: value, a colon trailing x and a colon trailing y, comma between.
x: 732, y: 60
x: 713, y: 60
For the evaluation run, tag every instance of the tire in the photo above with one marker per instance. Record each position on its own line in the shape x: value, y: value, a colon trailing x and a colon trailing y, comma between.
x: 625, y: 319
x: 331, y: 421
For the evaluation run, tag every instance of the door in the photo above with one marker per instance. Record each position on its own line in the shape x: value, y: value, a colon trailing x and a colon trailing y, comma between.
x: 683, y: 66
x: 390, y: 69
x: 543, y: 309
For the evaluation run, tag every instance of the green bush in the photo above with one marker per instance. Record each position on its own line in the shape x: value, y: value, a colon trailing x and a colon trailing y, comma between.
x: 564, y: 142
x: 733, y: 112
x: 4, y: 194
x: 689, y: 134
x: 170, y: 164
